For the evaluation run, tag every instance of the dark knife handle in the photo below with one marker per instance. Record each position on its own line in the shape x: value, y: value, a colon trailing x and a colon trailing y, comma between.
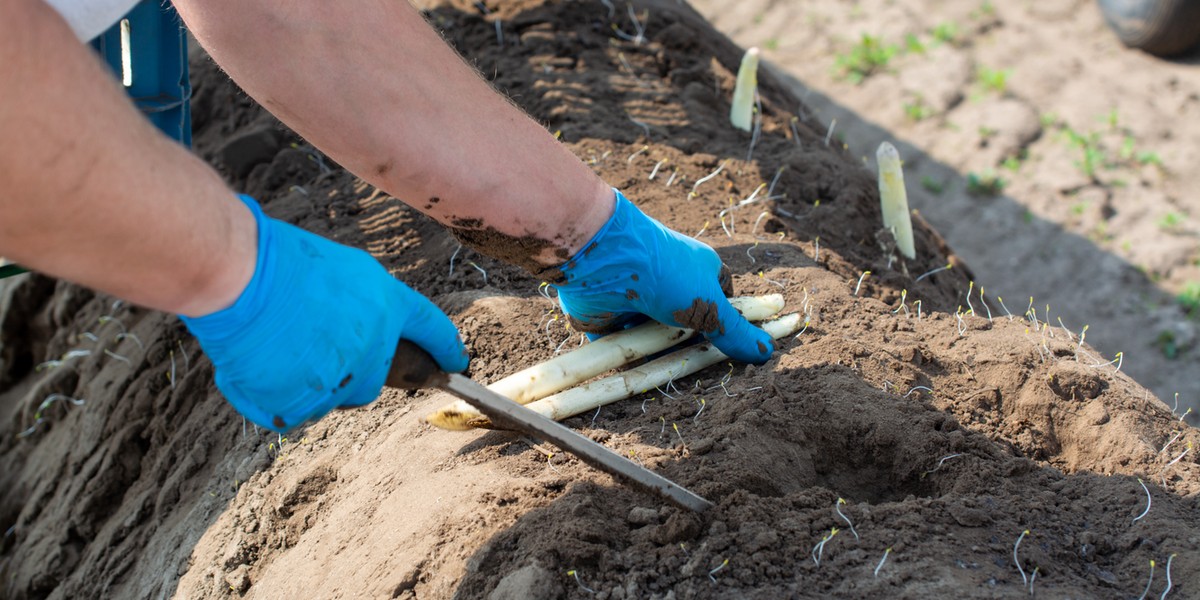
x: 413, y: 368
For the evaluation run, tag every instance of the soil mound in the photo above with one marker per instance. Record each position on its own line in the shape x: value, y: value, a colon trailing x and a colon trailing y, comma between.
x: 913, y: 441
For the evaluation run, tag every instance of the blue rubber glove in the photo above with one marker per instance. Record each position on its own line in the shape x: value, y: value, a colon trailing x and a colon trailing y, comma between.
x: 636, y: 266
x: 315, y: 329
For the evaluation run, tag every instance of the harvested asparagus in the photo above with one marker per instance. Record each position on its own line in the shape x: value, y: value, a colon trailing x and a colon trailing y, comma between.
x: 894, y: 200
x: 591, y: 360
x: 640, y: 379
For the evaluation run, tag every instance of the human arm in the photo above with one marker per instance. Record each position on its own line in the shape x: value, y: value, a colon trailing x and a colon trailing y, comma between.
x: 295, y: 324
x: 84, y: 175
x: 378, y: 90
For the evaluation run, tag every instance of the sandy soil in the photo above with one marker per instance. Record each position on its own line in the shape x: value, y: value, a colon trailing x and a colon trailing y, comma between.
x: 1096, y: 144
x: 946, y: 434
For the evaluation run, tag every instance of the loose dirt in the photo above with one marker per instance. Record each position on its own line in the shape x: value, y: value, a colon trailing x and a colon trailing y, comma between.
x: 930, y: 437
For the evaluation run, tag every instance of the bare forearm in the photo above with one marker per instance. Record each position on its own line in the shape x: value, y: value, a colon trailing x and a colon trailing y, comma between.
x: 95, y: 195
x: 379, y: 91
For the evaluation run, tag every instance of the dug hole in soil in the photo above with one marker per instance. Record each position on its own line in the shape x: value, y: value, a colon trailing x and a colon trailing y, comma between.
x: 942, y: 434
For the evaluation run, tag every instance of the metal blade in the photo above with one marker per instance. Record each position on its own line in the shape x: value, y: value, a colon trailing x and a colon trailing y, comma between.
x: 506, y: 414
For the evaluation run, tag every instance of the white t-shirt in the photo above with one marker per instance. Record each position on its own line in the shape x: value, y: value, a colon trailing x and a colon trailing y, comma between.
x: 90, y: 18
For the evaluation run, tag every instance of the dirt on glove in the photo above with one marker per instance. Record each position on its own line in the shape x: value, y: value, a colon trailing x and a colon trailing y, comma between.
x: 900, y: 446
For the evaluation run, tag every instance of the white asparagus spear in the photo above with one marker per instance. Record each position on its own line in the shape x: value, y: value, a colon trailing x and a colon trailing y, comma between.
x: 640, y: 379
x: 741, y: 110
x: 893, y: 199
x: 586, y: 362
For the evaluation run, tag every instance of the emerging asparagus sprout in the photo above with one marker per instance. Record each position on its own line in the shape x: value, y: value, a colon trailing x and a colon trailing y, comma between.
x: 893, y: 199
x: 714, y: 571
x: 741, y: 113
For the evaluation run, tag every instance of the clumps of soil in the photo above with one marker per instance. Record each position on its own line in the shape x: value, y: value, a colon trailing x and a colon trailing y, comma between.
x: 946, y: 431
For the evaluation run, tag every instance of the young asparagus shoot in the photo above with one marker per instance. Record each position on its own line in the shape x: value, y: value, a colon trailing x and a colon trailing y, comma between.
x: 860, y: 281
x: 1148, y: 582
x: 1017, y: 560
x: 1147, y: 511
x: 575, y: 574
x: 819, y: 549
x: 714, y: 571
x: 882, y: 560
x: 741, y: 113
x: 894, y: 200
x: 837, y: 508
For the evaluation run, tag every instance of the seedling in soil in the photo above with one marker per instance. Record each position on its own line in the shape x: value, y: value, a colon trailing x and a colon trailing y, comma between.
x: 1162, y: 474
x: 918, y: 387
x: 1082, y: 335
x: 917, y: 110
x: 829, y: 133
x: 795, y: 132
x: 111, y: 319
x: 1120, y: 357
x: 866, y: 58
x: 939, y: 465
x: 640, y: 151
x: 754, y: 136
x: 720, y: 167
x: 837, y: 508
x: 1017, y: 560
x: 860, y: 281
x: 38, y: 419
x: 1033, y: 578
x: 654, y: 171
x: 714, y: 571
x: 985, y: 304
x: 993, y: 80
x: 575, y: 574
x: 136, y: 340
x: 112, y: 354
x: 903, y: 302
x: 947, y: 267
x: 1185, y: 414
x: 1148, y: 582
x: 945, y: 33
x: 970, y: 288
x: 1168, y: 588
x: 50, y: 364
x: 882, y: 560
x: 1147, y: 511
x: 1171, y: 441
x: 452, y: 257
x: 645, y: 127
x: 171, y: 373
x: 761, y: 216
x: 742, y: 109
x: 1006, y: 311
x: 671, y: 179
x: 985, y: 184
x: 819, y: 549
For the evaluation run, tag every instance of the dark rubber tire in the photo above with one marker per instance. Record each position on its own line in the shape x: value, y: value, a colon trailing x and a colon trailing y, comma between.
x: 1160, y: 27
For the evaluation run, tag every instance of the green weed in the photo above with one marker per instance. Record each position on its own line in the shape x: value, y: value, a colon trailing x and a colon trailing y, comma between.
x: 913, y: 44
x: 866, y: 58
x: 917, y: 110
x: 993, y: 80
x: 945, y: 33
x: 932, y: 185
x: 1170, y: 221
x: 987, y: 183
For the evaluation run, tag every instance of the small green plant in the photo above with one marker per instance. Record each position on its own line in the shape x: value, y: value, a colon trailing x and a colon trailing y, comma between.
x: 1148, y: 158
x: 1012, y: 163
x: 1189, y: 298
x: 987, y: 183
x: 932, y: 185
x: 913, y: 44
x: 917, y: 110
x: 993, y: 80
x: 866, y: 58
x: 1093, y: 154
x: 1170, y: 221
x: 771, y: 44
x: 945, y: 33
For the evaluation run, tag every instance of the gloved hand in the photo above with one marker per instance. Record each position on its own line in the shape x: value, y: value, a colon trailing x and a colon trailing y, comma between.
x: 636, y: 266
x: 315, y: 329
